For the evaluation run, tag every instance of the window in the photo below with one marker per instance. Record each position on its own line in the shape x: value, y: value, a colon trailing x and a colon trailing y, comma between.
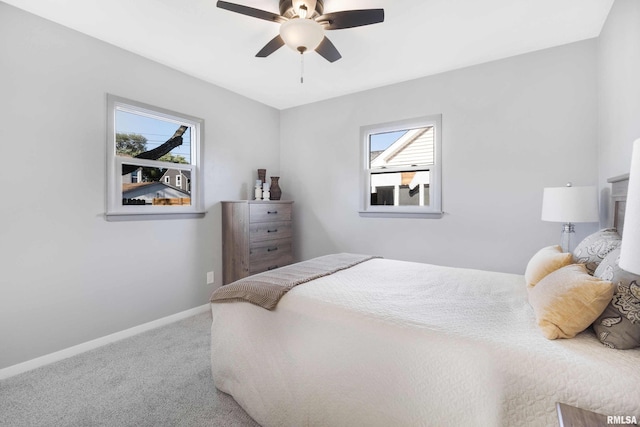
x: 146, y: 146
x: 401, y: 168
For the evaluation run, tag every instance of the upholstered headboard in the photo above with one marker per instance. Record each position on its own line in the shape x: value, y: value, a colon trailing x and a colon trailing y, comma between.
x: 619, y: 187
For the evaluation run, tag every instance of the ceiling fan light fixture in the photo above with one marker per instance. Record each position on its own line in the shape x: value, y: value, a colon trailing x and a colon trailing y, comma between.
x: 303, y: 23
x: 302, y: 12
x: 304, y: 8
x: 302, y: 35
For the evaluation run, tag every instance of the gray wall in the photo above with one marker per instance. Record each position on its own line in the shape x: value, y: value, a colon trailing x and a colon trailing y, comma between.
x: 68, y: 276
x: 510, y: 128
x: 618, y: 91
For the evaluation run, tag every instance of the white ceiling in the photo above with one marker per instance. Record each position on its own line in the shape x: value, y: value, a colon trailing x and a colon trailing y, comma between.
x: 418, y: 38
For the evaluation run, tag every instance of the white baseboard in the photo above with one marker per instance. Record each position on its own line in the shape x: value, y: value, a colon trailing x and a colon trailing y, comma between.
x: 98, y: 342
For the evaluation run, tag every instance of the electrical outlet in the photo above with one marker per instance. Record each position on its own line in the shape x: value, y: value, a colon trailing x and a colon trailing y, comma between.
x: 209, y: 277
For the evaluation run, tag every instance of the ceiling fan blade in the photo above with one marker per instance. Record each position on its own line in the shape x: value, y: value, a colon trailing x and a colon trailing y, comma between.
x: 275, y: 44
x: 351, y: 18
x: 250, y: 11
x: 328, y: 51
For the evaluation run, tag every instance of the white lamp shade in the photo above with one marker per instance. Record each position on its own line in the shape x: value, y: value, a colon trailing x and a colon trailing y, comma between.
x: 301, y: 34
x: 630, y: 249
x: 570, y: 204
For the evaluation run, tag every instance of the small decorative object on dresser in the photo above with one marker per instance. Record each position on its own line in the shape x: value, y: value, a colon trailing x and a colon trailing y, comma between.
x: 256, y: 237
x: 262, y: 175
x: 257, y: 191
x: 275, y: 190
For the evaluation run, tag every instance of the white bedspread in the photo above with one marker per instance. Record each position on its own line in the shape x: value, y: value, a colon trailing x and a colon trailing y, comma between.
x: 393, y: 343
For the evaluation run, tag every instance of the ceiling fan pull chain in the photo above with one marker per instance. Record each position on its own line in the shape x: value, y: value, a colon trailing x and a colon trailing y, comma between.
x: 301, y: 68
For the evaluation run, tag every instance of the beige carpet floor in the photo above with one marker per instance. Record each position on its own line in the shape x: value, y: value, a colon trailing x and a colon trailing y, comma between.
x: 159, y: 378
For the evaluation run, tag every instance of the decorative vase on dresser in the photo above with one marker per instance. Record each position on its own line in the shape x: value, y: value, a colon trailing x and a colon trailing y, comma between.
x: 256, y: 237
x: 275, y: 190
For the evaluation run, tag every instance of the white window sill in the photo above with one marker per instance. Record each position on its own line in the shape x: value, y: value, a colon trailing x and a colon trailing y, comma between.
x: 401, y: 214
x: 112, y: 217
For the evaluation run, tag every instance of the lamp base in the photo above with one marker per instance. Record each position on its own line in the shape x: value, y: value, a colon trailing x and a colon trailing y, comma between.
x: 568, y: 230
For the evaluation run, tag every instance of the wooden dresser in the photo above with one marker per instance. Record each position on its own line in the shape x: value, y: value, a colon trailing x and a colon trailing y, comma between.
x: 256, y: 237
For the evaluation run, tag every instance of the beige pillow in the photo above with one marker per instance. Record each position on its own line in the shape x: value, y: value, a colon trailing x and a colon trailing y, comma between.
x: 568, y: 300
x: 545, y: 261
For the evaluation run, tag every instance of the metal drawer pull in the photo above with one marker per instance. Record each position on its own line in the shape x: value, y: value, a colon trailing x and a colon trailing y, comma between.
x: 272, y: 249
x: 273, y: 267
x: 272, y: 212
x: 272, y: 231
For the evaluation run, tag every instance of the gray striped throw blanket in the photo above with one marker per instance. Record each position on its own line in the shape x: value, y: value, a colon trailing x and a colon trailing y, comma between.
x: 266, y: 289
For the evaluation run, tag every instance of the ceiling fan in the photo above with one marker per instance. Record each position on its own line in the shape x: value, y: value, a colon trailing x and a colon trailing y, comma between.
x: 303, y: 23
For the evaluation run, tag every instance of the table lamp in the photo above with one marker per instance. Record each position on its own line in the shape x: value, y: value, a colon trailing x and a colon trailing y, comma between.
x: 570, y: 205
x: 630, y: 249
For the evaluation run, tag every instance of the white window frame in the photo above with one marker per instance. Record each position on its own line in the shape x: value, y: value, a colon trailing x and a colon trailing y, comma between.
x: 115, y: 209
x: 434, y: 210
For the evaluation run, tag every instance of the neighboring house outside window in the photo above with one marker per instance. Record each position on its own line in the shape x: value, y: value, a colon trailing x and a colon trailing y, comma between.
x: 145, y: 143
x: 401, y: 168
x: 136, y: 176
x: 182, y: 179
x: 133, y: 177
x: 154, y: 193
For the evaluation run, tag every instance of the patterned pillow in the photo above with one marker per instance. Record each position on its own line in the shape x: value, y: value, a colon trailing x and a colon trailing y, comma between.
x: 619, y: 325
x: 592, y: 250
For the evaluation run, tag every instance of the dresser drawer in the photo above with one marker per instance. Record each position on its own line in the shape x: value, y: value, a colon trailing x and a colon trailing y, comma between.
x: 269, y: 250
x: 269, y: 231
x: 259, y: 212
x: 265, y: 265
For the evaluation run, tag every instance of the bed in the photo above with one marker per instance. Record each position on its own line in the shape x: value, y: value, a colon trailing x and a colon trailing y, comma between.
x: 388, y: 342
